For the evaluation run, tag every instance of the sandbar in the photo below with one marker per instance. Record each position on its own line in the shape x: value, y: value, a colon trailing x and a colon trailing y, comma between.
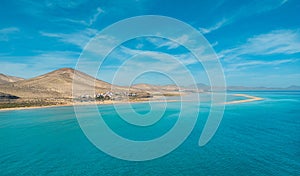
x: 249, y: 99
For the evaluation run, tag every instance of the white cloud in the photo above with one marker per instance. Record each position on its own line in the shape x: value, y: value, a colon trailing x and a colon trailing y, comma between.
x: 214, y: 27
x: 242, y: 65
x: 89, y: 22
x: 249, y: 8
x: 69, y: 4
x: 95, y: 16
x: 191, y: 41
x: 159, y: 42
x: 275, y: 42
x: 79, y: 39
x: 99, y: 45
x: 9, y: 30
x: 6, y: 32
x: 172, y: 45
x: 82, y: 22
x: 279, y: 43
x: 184, y: 58
x: 145, y: 61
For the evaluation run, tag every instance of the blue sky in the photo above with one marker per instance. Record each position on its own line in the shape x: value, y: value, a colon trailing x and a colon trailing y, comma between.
x: 257, y: 42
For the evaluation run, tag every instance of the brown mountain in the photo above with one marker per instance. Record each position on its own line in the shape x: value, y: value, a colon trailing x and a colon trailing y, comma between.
x: 58, y: 87
x: 8, y: 79
x: 56, y: 84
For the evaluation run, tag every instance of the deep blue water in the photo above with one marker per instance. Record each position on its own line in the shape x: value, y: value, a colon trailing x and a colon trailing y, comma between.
x: 257, y: 138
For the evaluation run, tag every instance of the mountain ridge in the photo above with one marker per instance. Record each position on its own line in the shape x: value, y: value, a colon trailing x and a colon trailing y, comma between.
x: 8, y: 79
x: 57, y: 83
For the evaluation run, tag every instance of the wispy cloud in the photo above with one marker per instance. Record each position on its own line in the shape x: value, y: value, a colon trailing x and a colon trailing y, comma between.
x: 79, y: 38
x: 275, y: 42
x: 44, y: 9
x: 173, y: 66
x: 9, y: 30
x: 95, y: 16
x: 183, y: 58
x: 41, y: 9
x: 214, y: 27
x: 249, y: 9
x: 258, y: 51
x: 6, y: 32
x: 67, y: 4
x: 243, y: 65
x: 259, y: 6
x: 192, y: 42
x: 89, y: 22
x: 159, y: 42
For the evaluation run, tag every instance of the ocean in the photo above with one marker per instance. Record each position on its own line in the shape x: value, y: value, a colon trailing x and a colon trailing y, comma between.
x: 254, y: 138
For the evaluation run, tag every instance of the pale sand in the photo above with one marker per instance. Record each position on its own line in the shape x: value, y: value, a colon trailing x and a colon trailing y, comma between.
x: 250, y: 99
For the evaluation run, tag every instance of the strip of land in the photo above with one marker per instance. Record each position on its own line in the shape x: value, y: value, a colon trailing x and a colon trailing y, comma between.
x: 107, y: 102
x: 249, y: 99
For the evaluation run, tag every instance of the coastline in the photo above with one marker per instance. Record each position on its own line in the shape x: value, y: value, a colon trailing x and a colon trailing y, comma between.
x: 249, y: 99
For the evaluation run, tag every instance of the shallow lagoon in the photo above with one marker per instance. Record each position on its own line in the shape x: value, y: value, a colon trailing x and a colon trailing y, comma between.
x: 257, y: 138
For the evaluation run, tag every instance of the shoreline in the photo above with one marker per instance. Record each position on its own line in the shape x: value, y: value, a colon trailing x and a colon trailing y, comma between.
x: 250, y: 99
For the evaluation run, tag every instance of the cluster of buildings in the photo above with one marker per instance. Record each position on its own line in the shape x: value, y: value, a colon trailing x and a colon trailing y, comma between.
x: 108, y: 95
x: 104, y: 96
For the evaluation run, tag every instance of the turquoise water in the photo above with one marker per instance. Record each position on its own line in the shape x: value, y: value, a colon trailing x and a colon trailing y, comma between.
x: 257, y: 138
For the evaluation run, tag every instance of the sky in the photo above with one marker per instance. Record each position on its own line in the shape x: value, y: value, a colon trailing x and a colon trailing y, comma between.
x: 257, y: 42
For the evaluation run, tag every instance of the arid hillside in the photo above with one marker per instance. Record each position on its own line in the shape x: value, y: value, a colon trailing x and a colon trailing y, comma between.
x: 56, y: 84
x: 8, y: 79
x: 59, y: 84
